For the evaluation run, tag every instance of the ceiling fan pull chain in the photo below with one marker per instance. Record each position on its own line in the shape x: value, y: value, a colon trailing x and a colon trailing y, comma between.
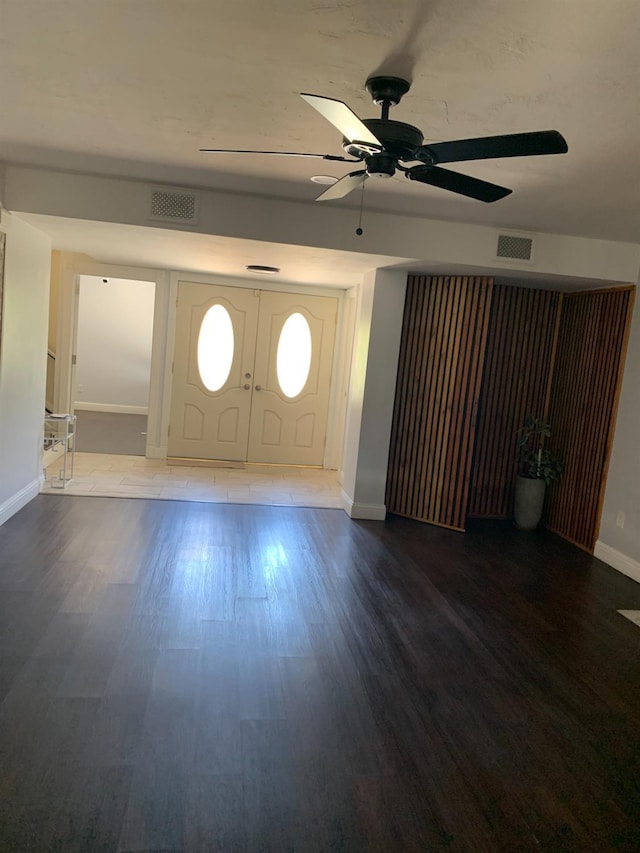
x: 359, y: 230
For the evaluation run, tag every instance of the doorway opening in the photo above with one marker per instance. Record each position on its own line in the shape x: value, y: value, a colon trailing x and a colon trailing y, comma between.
x: 113, y: 364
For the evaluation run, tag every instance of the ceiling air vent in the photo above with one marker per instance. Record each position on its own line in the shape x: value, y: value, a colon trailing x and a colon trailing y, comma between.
x: 514, y: 248
x: 173, y: 206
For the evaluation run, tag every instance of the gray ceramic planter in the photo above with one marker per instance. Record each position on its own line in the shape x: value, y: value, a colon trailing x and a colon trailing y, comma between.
x: 529, y: 501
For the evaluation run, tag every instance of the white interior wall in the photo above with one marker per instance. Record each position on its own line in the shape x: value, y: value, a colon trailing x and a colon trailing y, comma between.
x: 23, y: 363
x: 113, y: 350
x: 372, y: 391
x: 447, y: 245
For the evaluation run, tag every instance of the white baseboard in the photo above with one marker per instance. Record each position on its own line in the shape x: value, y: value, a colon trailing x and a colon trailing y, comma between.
x: 627, y: 565
x: 156, y: 452
x: 111, y: 407
x: 347, y: 503
x: 16, y: 502
x: 372, y: 512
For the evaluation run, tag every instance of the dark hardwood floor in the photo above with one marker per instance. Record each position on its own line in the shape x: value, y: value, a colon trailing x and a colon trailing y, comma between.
x: 200, y: 677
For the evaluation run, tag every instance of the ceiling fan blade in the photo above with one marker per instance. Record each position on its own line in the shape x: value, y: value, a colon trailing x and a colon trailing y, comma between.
x: 487, y: 147
x: 343, y: 118
x: 344, y: 186
x: 456, y: 183
x: 278, y: 154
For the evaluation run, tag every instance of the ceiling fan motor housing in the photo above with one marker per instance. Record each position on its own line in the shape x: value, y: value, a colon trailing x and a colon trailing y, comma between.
x: 397, y: 138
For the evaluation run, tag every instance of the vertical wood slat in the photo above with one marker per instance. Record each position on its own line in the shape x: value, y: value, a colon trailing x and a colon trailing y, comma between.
x: 573, y: 367
x: 476, y: 367
x: 591, y: 347
x: 439, y: 376
x: 455, y: 428
x: 403, y: 424
x: 516, y: 381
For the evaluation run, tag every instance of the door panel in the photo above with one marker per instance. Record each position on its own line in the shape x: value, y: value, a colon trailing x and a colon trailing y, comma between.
x: 250, y: 417
x: 291, y: 430
x: 212, y: 424
x: 193, y: 418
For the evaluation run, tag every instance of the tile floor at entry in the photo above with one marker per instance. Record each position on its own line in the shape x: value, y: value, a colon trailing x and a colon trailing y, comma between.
x: 110, y: 475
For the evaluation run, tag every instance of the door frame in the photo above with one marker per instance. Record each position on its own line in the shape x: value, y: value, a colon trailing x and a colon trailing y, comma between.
x: 341, y: 352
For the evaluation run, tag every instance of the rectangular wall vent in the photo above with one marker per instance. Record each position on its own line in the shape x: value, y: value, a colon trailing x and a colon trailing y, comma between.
x: 174, y: 206
x: 516, y: 248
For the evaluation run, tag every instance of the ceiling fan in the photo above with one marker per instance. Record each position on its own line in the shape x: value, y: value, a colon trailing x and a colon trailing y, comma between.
x: 383, y: 146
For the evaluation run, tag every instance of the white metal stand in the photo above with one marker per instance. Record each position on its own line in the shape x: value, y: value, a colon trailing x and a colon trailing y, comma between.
x: 60, y: 430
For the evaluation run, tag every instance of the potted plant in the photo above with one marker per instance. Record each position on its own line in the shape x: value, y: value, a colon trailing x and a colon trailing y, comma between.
x: 537, y: 467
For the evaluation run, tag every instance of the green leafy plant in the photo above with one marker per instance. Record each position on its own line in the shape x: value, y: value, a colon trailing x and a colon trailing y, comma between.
x: 534, y: 460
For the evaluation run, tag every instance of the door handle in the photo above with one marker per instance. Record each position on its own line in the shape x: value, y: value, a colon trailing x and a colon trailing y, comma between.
x: 258, y: 387
x: 246, y: 387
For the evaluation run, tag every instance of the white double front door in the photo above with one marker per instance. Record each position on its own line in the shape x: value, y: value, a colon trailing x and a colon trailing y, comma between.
x: 251, y: 374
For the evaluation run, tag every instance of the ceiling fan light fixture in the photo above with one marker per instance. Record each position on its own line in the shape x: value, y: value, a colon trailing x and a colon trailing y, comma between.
x: 329, y: 180
x: 381, y: 165
x: 264, y: 270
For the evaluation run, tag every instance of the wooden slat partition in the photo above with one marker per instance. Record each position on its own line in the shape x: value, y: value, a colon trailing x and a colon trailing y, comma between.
x: 516, y: 382
x: 584, y: 396
x: 439, y: 374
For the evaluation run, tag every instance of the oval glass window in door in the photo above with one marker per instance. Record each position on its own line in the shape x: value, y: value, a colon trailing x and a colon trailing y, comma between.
x: 215, y: 348
x: 293, y: 360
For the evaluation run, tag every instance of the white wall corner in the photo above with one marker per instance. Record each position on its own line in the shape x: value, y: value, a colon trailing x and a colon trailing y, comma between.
x: 617, y: 560
x: 370, y: 512
x: 347, y: 503
x: 15, y: 503
x: 372, y: 386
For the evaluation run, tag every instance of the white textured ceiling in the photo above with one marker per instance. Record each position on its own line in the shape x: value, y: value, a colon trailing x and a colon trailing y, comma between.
x: 136, y: 87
